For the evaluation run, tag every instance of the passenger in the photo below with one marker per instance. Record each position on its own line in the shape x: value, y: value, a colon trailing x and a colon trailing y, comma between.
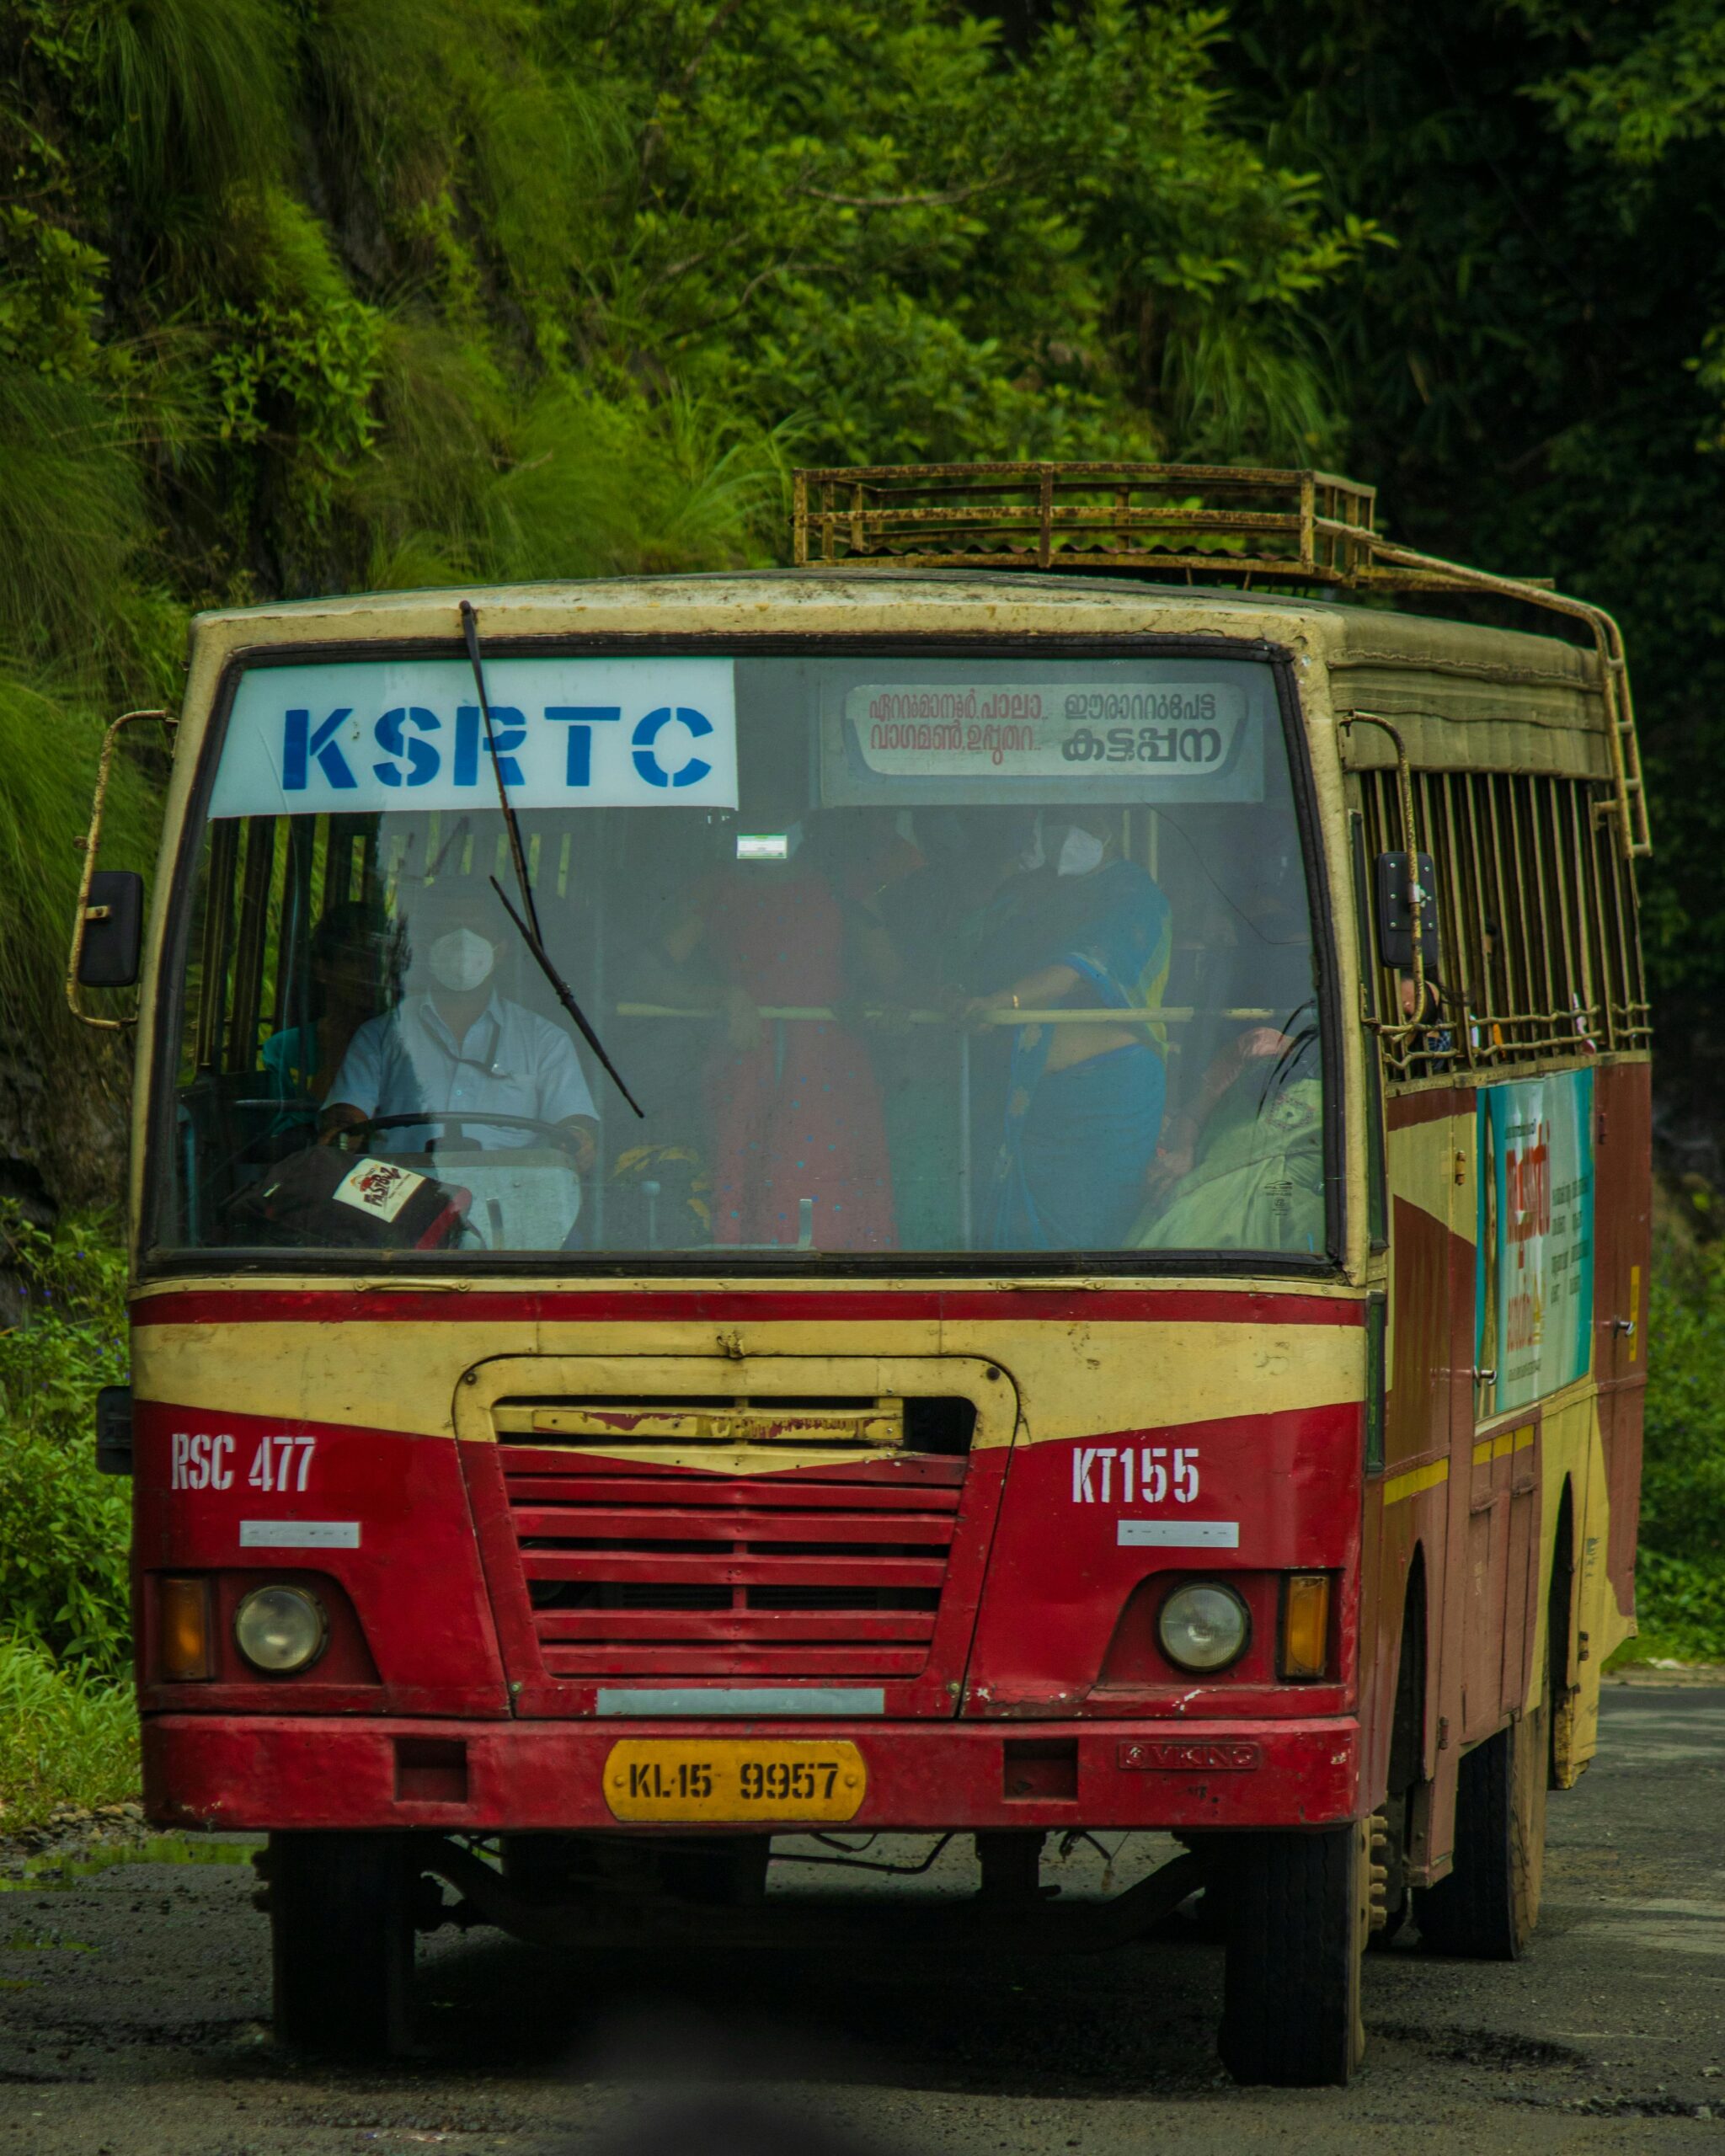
x: 1241, y: 1166
x: 793, y: 1104
x: 463, y: 1048
x: 1252, y: 1179
x: 354, y: 963
x: 934, y: 916
x: 1084, y: 1099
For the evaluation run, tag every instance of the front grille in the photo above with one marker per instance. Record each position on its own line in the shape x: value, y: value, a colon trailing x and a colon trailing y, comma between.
x: 830, y: 1570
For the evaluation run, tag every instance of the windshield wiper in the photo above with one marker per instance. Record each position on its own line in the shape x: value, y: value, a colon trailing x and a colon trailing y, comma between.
x: 528, y: 927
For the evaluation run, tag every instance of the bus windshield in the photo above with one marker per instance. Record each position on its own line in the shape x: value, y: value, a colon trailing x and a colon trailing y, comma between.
x: 996, y: 954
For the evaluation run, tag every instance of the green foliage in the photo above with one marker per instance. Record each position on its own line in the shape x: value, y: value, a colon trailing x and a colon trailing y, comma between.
x: 1681, y: 1572
x: 72, y: 517
x: 1682, y: 1479
x: 49, y: 744
x: 303, y: 296
x: 1533, y: 375
x: 64, y: 1529
x: 195, y: 91
x: 67, y: 1736
x: 1653, y: 77
x: 1679, y: 1607
x: 631, y: 254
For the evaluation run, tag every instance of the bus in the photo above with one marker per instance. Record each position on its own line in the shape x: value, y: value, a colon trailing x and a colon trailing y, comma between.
x: 995, y: 1183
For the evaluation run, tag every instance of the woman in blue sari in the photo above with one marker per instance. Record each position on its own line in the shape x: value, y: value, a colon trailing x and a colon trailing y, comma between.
x: 1084, y: 1098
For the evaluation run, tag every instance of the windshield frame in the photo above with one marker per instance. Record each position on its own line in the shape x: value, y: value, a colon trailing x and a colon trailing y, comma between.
x: 168, y: 985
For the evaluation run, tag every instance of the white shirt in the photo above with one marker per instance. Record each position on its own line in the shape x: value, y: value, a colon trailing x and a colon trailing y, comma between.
x: 509, y: 1062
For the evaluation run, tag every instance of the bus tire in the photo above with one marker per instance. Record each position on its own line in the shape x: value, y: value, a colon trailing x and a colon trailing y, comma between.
x: 1297, y: 1911
x: 1487, y: 1909
x: 341, y: 1928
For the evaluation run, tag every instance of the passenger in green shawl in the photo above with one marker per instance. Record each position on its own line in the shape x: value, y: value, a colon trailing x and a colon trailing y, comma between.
x: 1257, y: 1178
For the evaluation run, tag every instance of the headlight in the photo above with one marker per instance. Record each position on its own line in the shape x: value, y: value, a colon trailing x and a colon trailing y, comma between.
x: 1203, y: 1626
x: 280, y: 1629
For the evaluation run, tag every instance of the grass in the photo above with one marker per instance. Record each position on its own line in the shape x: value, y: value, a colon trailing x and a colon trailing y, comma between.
x: 69, y: 1727
x: 67, y: 1736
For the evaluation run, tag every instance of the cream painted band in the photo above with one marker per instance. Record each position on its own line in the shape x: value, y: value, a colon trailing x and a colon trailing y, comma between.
x: 1072, y: 1380
x: 1417, y: 1478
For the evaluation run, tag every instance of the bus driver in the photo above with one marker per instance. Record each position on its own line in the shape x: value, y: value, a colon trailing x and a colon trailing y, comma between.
x: 461, y: 1047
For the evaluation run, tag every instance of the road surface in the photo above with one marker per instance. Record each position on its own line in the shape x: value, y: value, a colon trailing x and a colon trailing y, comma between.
x: 132, y: 2007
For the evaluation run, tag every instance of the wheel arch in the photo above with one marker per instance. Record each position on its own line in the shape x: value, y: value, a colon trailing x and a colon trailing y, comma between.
x: 1560, y: 1616
x: 1411, y: 1740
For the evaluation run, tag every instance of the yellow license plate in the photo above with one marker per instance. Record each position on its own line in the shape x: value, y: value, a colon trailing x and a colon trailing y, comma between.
x: 733, y: 1779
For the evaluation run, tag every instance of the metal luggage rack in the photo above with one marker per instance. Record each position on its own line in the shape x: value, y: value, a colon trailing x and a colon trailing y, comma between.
x: 1233, y: 524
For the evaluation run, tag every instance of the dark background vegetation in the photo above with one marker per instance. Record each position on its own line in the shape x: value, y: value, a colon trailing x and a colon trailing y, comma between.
x: 299, y: 296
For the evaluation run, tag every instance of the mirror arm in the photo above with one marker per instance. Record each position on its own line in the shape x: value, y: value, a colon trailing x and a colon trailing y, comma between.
x: 90, y: 842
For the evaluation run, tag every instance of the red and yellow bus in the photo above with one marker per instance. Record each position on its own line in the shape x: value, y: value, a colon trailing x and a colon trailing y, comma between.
x: 994, y: 1184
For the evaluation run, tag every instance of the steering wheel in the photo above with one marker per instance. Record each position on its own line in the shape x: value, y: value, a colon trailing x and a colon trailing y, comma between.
x: 555, y: 1134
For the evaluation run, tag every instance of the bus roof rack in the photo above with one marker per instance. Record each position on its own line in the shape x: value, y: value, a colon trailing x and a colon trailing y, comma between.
x: 1236, y: 524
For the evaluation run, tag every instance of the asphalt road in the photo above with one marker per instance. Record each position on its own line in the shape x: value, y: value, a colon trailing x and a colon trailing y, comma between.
x: 132, y: 2008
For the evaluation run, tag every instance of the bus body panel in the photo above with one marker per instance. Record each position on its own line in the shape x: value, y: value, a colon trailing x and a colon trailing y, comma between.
x: 1480, y: 1504
x: 227, y: 1449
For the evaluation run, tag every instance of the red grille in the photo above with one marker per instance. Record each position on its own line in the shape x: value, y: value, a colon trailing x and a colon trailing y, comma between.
x: 834, y: 1571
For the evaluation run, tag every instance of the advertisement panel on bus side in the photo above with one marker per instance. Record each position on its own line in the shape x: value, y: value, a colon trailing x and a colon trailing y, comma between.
x: 1534, y: 1292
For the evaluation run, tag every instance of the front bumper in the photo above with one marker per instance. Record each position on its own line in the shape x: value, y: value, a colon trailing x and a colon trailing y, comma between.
x: 266, y: 1772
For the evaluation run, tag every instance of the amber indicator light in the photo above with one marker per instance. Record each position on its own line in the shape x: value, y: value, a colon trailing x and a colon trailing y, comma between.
x: 1306, y: 1624
x: 187, y: 1634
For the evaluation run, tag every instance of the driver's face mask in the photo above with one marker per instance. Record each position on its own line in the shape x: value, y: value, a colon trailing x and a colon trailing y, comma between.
x: 1081, y: 850
x: 462, y: 960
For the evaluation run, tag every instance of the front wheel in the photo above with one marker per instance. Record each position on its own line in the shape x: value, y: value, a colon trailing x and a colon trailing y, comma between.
x: 1297, y: 1911
x: 341, y: 1925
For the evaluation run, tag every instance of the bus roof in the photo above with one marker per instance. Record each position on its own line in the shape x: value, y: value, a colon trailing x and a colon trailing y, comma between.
x: 1462, y: 695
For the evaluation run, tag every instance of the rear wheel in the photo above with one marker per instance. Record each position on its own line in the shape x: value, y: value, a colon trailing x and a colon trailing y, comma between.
x: 1486, y: 1910
x: 341, y: 1923
x: 1298, y: 1912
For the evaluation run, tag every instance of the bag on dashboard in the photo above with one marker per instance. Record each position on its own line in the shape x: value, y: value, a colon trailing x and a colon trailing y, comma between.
x: 322, y: 1197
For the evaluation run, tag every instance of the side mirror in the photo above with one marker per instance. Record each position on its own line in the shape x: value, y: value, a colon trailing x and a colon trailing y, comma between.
x: 113, y: 1427
x: 107, y: 930
x: 114, y: 930
x: 1401, y: 878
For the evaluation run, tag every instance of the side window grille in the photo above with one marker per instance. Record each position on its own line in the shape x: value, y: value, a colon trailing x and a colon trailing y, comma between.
x: 1539, y: 953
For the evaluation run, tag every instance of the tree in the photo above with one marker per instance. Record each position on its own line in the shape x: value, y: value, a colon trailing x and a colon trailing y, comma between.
x: 1533, y: 375
x: 299, y: 296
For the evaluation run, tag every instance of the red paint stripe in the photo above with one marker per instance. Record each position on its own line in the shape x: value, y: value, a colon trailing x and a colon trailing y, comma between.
x: 342, y: 1306
x: 1406, y: 1111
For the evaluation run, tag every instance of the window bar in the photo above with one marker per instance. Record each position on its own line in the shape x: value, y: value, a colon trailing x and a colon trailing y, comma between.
x: 1554, y: 911
x: 1536, y: 995
x: 1569, y: 817
x: 1633, y: 963
x: 1509, y: 946
x: 1464, y: 904
x: 1485, y: 1019
x: 292, y: 972
x: 248, y: 951
x: 1621, y: 939
x: 1529, y: 932
x: 1587, y: 1017
x: 1460, y: 952
x: 218, y: 929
